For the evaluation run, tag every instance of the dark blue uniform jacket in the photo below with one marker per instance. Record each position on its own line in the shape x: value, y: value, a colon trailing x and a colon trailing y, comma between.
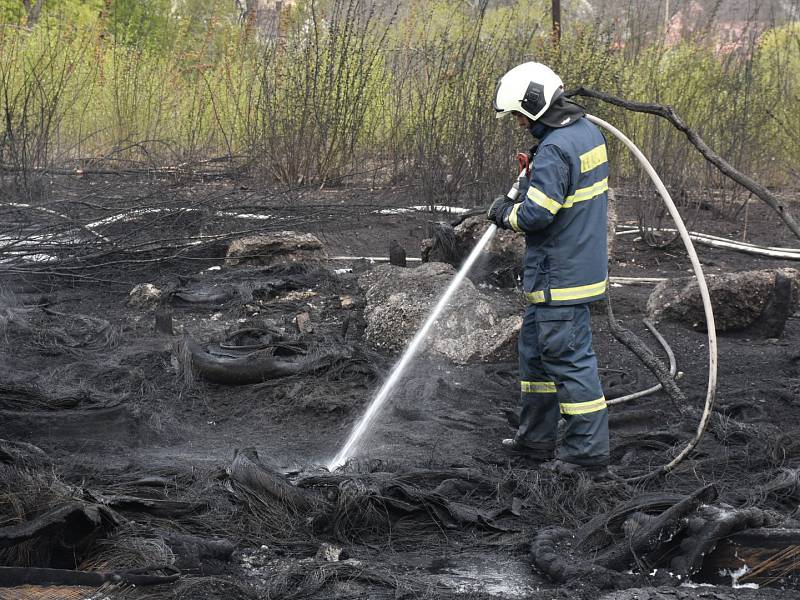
x: 564, y: 216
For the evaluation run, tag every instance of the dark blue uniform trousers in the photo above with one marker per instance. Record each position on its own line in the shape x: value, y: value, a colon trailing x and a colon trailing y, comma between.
x: 558, y: 377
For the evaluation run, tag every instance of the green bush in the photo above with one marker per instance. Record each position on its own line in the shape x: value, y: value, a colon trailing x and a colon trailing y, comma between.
x: 345, y: 88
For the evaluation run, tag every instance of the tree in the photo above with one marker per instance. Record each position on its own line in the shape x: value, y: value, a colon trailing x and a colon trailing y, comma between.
x: 34, y: 9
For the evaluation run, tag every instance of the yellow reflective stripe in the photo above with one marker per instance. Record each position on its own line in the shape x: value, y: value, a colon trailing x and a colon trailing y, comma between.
x: 580, y: 195
x: 594, y: 158
x: 582, y: 408
x: 578, y: 292
x: 535, y: 297
x: 587, y: 193
x: 538, y: 387
x: 543, y: 200
x: 512, y: 218
x: 571, y: 293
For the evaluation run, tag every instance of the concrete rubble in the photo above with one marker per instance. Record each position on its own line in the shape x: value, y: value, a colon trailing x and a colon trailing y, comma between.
x: 740, y: 300
x: 275, y: 248
x: 399, y: 299
x: 144, y: 295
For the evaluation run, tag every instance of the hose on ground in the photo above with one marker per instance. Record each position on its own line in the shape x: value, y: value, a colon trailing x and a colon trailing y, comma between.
x: 720, y: 242
x: 711, y: 389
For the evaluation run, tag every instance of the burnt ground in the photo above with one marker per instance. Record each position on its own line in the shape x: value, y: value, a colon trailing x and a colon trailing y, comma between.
x: 114, y: 404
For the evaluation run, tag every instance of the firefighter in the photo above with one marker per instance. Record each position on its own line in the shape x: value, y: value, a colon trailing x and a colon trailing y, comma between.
x: 562, y: 212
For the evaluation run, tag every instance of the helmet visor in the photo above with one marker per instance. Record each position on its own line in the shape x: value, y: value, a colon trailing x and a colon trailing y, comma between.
x: 500, y: 112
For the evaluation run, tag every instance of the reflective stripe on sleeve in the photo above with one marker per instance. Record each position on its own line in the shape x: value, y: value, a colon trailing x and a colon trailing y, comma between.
x: 582, y: 408
x: 587, y: 193
x: 570, y: 293
x: 594, y: 158
x: 581, y: 195
x: 538, y: 197
x: 538, y: 387
x: 512, y: 218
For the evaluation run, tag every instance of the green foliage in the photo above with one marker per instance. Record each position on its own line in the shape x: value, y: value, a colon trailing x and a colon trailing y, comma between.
x: 76, y: 13
x: 778, y: 63
x: 12, y: 11
x: 345, y: 88
x: 42, y: 81
x: 53, y: 12
x: 140, y: 22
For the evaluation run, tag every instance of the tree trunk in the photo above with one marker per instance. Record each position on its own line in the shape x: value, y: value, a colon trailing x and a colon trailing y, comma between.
x: 34, y: 9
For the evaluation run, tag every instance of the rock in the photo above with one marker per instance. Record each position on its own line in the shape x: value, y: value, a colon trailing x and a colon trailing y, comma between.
x: 328, y: 552
x: 296, y: 296
x: 347, y: 302
x: 503, y: 263
x: 738, y: 299
x: 399, y: 299
x: 274, y: 248
x: 144, y: 295
x: 303, y: 322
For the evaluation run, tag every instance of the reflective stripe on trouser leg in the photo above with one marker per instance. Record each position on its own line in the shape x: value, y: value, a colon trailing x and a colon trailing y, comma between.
x: 565, y: 340
x: 538, y: 420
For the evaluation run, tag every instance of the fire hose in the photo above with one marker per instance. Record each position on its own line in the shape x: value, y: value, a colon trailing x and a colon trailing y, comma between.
x: 383, y: 394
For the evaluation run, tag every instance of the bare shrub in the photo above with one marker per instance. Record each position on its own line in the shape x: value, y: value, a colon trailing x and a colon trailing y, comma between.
x: 317, y: 83
x: 444, y: 133
x: 39, y: 85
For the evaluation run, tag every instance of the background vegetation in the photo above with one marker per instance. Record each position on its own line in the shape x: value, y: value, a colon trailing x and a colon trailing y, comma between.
x: 395, y: 93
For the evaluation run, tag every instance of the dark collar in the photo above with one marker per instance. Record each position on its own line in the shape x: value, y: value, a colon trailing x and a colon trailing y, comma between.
x: 539, y: 130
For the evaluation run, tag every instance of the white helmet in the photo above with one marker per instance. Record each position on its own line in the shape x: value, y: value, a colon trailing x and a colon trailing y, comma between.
x: 529, y: 88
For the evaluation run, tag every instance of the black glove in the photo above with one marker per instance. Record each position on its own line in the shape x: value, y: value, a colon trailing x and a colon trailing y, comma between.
x: 498, y: 209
